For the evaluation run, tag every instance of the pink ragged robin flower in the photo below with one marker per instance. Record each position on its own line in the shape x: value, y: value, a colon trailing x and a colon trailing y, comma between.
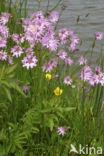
x: 17, y: 51
x: 67, y: 80
x: 25, y: 88
x: 61, y: 131
x: 86, y: 73
x: 29, y: 61
x: 4, y: 18
x: 68, y: 61
x: 62, y: 54
x: 3, y: 55
x: 82, y: 61
x: 54, y: 16
x: 99, y: 35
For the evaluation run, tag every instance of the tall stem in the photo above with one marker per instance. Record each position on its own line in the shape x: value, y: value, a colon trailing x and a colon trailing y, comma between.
x: 38, y: 5
x: 47, y: 6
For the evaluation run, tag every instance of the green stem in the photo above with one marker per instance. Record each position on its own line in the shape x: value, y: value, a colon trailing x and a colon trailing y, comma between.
x: 93, y: 45
x: 59, y: 19
x: 38, y: 5
x: 83, y: 101
x: 26, y: 8
x: 47, y: 6
x: 57, y: 4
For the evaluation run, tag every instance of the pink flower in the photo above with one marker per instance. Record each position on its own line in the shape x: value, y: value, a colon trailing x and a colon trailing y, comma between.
x: 72, y: 46
x: 50, y: 42
x: 33, y: 17
x: 4, y: 18
x: 54, y: 16
x: 98, y: 69
x: 86, y: 73
x: 29, y: 61
x: 26, y: 23
x: 17, y: 51
x: 48, y: 66
x: 61, y: 131
x: 82, y: 60
x: 55, y: 76
x: 99, y: 35
x: 18, y: 38
x: 2, y: 42
x: 67, y: 80
x: 101, y: 78
x: 62, y: 54
x: 74, y: 40
x: 4, y: 34
x: 3, y: 55
x: 29, y: 36
x: 25, y: 88
x: 53, y: 45
x: 68, y: 61
x: 29, y: 51
x: 94, y: 80
x: 39, y: 15
x: 15, y: 38
x: 53, y: 62
x: 64, y: 34
x: 10, y: 60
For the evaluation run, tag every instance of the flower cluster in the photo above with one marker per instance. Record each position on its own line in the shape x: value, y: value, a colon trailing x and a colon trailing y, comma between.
x: 40, y: 30
x: 37, y: 29
x: 4, y: 31
x: 48, y: 66
x: 63, y: 55
x: 92, y: 78
x: 4, y: 18
x: 4, y: 34
x: 68, y: 36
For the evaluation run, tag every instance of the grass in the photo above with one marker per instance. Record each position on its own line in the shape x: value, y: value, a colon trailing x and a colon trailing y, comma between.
x: 29, y: 121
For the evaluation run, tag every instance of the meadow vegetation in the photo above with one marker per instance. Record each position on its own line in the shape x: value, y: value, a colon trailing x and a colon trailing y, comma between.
x: 49, y: 99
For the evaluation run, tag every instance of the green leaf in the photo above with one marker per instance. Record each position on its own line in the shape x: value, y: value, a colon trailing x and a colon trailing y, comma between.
x: 10, y: 69
x: 51, y: 124
x: 67, y: 109
x: 7, y: 91
x: 16, y: 87
x: 46, y: 110
x: 5, y: 83
x: 35, y: 130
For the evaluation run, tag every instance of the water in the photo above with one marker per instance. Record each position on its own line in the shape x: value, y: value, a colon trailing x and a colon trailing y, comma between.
x: 86, y: 27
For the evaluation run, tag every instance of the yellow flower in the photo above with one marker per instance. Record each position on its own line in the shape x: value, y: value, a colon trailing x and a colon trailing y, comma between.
x: 33, y: 28
x: 58, y: 91
x: 48, y: 76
